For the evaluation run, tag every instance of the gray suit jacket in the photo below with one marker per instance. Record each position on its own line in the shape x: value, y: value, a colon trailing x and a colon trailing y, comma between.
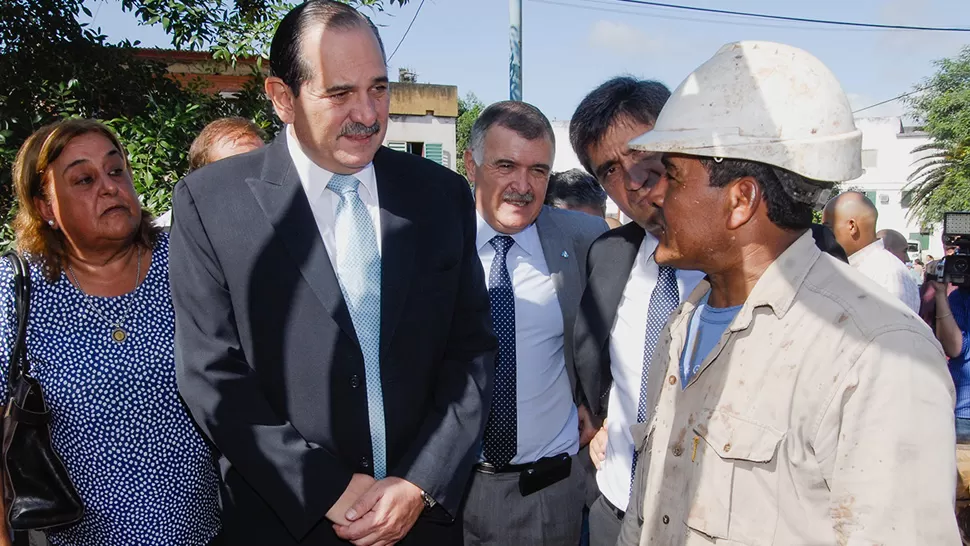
x: 566, y: 237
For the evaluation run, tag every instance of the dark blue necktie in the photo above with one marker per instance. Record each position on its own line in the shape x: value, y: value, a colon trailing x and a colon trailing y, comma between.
x: 501, y: 432
x: 664, y: 299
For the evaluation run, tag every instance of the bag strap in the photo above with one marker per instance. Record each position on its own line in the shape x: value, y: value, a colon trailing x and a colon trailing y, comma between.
x: 19, y: 365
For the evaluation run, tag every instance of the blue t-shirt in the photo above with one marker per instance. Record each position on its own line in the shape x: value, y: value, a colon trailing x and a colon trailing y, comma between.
x: 960, y: 365
x: 707, y: 325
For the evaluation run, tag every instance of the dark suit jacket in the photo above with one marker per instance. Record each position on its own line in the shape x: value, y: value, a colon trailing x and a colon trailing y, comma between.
x: 609, y: 264
x: 268, y: 360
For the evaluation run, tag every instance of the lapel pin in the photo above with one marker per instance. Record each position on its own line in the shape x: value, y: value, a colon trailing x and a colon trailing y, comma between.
x: 565, y: 254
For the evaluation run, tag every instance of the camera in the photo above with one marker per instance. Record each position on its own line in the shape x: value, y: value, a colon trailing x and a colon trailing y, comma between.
x: 955, y: 269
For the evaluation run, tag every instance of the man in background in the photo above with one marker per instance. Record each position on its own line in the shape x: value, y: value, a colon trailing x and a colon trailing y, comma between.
x: 220, y: 139
x: 528, y: 487
x: 576, y: 190
x: 628, y: 297
x: 852, y: 217
x: 895, y: 244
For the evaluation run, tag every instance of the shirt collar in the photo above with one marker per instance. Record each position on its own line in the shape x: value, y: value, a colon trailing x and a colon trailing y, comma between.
x: 778, y: 285
x: 315, y: 178
x: 527, y: 239
x: 868, y: 250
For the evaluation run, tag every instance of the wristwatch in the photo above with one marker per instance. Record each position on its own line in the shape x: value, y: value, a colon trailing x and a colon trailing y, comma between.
x: 429, y: 502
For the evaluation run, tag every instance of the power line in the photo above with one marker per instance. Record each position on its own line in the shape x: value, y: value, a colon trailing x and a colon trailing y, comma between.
x: 416, y: 12
x: 904, y: 95
x: 695, y: 19
x: 793, y: 19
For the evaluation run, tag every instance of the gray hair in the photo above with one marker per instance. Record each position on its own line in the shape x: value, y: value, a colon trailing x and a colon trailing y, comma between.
x: 523, y: 118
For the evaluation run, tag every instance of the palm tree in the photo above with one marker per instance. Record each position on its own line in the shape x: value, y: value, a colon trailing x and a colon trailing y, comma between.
x: 936, y: 172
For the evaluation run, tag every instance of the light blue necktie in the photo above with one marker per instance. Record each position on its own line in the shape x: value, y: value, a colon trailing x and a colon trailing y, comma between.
x: 664, y: 299
x: 359, y: 272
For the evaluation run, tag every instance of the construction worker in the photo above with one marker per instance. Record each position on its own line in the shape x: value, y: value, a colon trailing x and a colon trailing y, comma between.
x: 788, y: 403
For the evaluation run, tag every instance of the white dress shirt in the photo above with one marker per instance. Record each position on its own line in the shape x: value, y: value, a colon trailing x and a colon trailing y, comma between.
x: 547, y: 421
x: 877, y: 263
x: 323, y: 202
x: 626, y: 363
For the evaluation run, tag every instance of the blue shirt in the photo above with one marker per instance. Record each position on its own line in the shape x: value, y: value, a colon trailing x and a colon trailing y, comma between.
x: 707, y: 325
x: 960, y: 365
x: 144, y: 474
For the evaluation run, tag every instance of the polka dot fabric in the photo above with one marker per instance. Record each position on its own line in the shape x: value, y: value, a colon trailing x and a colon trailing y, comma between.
x: 501, y: 432
x: 145, y: 476
x: 359, y: 272
x: 664, y: 299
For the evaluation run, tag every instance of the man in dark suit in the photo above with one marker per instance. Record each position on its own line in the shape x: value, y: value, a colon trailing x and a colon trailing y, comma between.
x: 623, y: 307
x: 333, y: 331
x: 527, y: 489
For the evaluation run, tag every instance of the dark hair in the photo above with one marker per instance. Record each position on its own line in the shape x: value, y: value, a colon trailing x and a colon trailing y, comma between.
x: 776, y: 183
x: 523, y: 118
x: 231, y: 129
x: 286, y: 59
x: 826, y: 242
x: 575, y: 188
x: 623, y: 97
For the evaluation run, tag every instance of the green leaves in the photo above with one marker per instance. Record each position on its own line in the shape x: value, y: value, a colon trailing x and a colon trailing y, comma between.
x: 940, y: 180
x: 469, y: 109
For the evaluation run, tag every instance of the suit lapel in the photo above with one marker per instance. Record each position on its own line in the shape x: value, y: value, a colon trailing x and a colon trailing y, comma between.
x: 398, y: 242
x: 610, y: 279
x: 559, y: 257
x: 280, y: 194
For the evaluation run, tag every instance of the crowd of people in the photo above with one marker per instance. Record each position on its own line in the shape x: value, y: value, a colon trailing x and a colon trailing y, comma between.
x: 329, y: 342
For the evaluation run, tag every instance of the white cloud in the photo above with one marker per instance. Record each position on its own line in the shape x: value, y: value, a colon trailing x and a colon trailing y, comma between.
x: 621, y: 38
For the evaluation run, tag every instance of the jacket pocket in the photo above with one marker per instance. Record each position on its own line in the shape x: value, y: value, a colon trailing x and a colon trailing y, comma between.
x: 733, y: 479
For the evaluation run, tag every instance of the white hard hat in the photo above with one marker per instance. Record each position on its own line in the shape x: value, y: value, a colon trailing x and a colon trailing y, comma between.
x: 765, y: 102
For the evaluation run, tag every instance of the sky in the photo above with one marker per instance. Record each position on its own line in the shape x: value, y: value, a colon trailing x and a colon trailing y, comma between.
x: 571, y: 46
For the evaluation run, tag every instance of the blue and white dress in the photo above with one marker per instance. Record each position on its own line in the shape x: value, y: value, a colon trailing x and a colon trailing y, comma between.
x: 144, y: 473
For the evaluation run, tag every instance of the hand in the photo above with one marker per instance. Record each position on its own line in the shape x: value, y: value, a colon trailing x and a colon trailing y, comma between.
x: 586, y: 428
x: 359, y: 484
x: 384, y: 514
x: 597, y: 447
x: 940, y: 289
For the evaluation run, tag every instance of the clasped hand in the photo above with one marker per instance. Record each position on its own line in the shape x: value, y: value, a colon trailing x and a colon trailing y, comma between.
x: 376, y: 513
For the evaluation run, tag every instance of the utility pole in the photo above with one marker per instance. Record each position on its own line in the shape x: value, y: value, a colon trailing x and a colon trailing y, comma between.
x: 515, y: 42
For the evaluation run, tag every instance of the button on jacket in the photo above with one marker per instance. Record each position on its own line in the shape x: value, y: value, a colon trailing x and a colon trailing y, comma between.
x: 824, y: 415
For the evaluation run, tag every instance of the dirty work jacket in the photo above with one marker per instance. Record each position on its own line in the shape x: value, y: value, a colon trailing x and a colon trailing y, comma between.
x: 824, y: 415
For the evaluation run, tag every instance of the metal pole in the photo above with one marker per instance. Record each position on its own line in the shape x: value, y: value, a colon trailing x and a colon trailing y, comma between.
x: 515, y: 42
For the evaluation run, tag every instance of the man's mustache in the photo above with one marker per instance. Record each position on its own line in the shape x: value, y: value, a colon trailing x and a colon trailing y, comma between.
x: 510, y: 195
x: 356, y: 129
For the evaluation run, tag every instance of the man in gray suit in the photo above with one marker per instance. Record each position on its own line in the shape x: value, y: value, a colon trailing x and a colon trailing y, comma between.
x: 527, y: 488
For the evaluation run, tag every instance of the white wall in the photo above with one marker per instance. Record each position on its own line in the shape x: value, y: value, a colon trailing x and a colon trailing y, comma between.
x: 893, y: 164
x: 426, y: 129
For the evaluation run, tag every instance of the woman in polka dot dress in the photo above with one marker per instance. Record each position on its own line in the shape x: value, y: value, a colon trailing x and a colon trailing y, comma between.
x: 100, y: 340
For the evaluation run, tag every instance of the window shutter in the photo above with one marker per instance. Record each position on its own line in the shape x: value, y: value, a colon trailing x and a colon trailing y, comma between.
x: 871, y: 195
x: 397, y: 145
x: 432, y: 151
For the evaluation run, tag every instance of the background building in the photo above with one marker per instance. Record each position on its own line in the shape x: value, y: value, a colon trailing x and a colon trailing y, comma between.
x: 423, y: 118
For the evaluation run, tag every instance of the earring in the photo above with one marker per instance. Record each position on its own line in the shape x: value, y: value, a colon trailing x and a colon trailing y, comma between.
x: 50, y: 223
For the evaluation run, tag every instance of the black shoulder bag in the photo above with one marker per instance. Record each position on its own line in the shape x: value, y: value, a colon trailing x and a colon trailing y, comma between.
x: 37, y: 490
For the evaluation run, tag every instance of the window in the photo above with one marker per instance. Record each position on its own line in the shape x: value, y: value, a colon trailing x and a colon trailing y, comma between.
x: 871, y: 196
x: 416, y: 148
x: 432, y: 151
x: 906, y: 200
x: 869, y: 158
x: 397, y: 145
x: 923, y: 238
